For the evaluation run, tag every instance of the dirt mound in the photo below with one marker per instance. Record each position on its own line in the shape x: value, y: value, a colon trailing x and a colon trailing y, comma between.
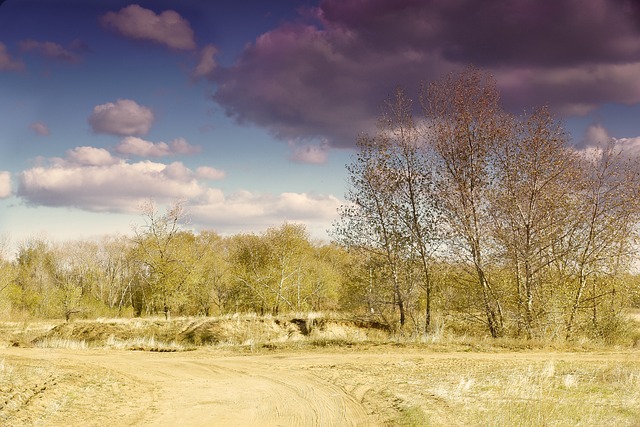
x: 236, y: 330
x: 98, y: 332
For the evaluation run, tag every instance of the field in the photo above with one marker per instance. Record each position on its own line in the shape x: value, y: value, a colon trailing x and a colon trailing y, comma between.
x: 297, y: 372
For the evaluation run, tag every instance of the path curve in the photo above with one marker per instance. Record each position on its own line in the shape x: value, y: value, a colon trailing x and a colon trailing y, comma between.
x: 199, y: 389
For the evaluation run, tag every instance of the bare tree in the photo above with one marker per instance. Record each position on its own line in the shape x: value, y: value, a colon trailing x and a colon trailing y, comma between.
x: 412, y: 188
x: 465, y: 123
x: 394, y: 210
x: 607, y: 229
x: 370, y: 222
x: 533, y: 206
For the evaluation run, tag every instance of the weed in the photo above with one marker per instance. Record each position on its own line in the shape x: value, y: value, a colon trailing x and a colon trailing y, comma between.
x: 412, y: 416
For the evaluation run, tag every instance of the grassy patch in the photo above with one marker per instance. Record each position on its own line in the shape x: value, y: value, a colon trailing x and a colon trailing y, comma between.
x: 496, y: 390
x: 412, y: 416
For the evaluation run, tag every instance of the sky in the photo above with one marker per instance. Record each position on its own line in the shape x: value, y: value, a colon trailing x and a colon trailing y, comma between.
x: 249, y: 110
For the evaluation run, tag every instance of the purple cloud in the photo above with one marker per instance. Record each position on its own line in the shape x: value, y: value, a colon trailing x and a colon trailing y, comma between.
x: 206, y: 63
x: 124, y: 117
x: 49, y: 50
x: 167, y: 28
x: 40, y: 128
x: 7, y: 63
x: 326, y: 76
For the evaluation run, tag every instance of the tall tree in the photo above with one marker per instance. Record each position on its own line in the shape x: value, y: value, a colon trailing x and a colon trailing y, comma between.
x: 465, y: 123
x: 35, y: 278
x: 394, y: 209
x: 370, y: 222
x: 116, y: 261
x: 412, y: 187
x: 535, y: 172
x: 212, y: 288
x: 606, y: 233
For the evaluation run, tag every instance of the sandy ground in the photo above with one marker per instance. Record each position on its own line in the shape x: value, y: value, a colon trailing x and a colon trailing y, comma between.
x: 212, y: 388
x: 110, y: 387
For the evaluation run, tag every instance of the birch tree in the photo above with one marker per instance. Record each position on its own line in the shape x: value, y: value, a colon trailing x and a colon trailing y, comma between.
x: 394, y: 210
x: 466, y: 122
x: 534, y: 207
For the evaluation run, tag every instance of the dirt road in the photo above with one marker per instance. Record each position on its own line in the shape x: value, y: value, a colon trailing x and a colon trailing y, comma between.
x: 336, y: 387
x: 100, y: 387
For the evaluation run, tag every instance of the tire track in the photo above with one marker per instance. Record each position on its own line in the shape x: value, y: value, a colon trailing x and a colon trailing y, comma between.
x: 196, y: 389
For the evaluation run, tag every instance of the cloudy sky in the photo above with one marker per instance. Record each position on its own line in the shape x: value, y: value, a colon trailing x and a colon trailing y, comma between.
x: 249, y: 110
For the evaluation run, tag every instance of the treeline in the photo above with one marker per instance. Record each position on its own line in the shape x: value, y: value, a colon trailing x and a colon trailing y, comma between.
x: 167, y: 270
x: 458, y: 205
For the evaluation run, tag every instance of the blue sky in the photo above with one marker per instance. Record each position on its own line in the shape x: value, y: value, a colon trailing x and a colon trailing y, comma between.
x: 249, y: 110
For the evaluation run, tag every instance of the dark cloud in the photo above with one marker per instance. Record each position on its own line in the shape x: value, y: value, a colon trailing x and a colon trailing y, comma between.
x: 326, y: 76
x: 303, y: 82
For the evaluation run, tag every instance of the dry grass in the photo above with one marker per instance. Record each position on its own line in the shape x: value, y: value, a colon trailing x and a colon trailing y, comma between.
x: 19, y: 385
x: 145, y: 344
x: 54, y: 342
x: 177, y: 334
x: 23, y: 333
x: 464, y: 390
x: 559, y: 394
x: 253, y: 332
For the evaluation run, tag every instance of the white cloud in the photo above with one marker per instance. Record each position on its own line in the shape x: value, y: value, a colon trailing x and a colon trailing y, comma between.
x: 5, y: 184
x: 124, y: 117
x: 181, y: 146
x: 206, y: 63
x: 244, y: 211
x: 136, y: 22
x: 90, y: 156
x: 91, y: 179
x: 630, y: 145
x: 116, y: 187
x: 209, y: 173
x: 597, y: 137
x: 140, y: 147
x: 40, y: 128
x: 7, y: 63
x: 309, y: 153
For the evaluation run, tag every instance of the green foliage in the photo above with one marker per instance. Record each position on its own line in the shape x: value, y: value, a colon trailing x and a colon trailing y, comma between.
x: 282, y: 270
x: 168, y: 256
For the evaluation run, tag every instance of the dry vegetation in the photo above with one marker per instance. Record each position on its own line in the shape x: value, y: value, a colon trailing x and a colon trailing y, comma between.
x: 398, y: 380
